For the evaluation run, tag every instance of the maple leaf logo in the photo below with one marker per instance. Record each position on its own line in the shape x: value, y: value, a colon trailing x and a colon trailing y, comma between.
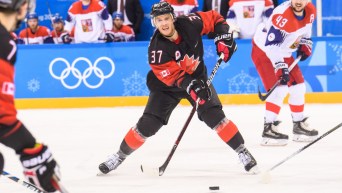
x: 189, y: 64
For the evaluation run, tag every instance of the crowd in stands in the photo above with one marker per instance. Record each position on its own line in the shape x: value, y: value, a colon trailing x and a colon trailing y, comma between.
x: 94, y: 21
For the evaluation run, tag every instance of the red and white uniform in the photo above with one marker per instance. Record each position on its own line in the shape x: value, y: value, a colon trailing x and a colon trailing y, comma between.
x: 184, y: 8
x: 124, y: 34
x: 275, y: 43
x: 90, y: 23
x: 248, y: 14
x: 57, y: 38
x: 39, y: 37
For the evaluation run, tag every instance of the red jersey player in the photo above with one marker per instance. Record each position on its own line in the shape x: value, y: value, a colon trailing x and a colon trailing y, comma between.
x: 36, y: 158
x: 178, y: 71
x: 34, y: 33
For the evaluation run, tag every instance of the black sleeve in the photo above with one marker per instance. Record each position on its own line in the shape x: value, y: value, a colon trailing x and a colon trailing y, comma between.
x: 139, y: 15
x: 205, y: 7
x: 110, y: 7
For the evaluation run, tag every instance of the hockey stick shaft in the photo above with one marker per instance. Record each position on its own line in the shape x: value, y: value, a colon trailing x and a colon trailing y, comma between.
x: 22, y: 182
x: 306, y: 146
x: 209, y: 81
x: 264, y: 97
x: 50, y: 15
x: 58, y: 185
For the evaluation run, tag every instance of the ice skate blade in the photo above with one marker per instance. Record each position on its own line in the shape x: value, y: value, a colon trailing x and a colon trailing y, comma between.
x: 273, y: 142
x: 303, y: 138
x: 254, y: 170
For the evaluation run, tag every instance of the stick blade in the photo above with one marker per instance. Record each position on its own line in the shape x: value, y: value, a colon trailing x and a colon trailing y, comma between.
x: 151, y: 171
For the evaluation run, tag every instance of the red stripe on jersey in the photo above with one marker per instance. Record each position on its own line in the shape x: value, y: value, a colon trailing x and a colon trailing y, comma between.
x: 94, y: 6
x: 42, y: 31
x: 289, y: 23
x: 210, y: 19
x: 168, y: 73
x: 272, y: 107
x: 297, y: 108
x: 14, y: 129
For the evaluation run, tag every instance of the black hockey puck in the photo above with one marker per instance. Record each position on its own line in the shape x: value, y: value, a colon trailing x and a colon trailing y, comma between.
x: 214, y: 187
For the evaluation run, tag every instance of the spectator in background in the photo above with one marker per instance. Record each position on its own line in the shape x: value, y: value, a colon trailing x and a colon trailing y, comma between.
x: 131, y: 10
x: 183, y: 7
x: 247, y: 15
x: 59, y: 35
x: 91, y: 20
x: 34, y: 34
x: 220, y: 6
x: 122, y: 33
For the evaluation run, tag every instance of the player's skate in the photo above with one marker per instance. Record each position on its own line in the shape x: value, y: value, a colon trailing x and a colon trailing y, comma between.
x: 111, y: 164
x: 248, y: 160
x: 271, y: 136
x: 302, y: 132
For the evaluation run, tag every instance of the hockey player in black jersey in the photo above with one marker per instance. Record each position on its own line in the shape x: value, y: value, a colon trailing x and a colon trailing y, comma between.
x: 36, y: 158
x: 178, y: 71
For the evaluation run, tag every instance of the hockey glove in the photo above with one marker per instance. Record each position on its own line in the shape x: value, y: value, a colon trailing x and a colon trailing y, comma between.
x: 282, y: 73
x: 198, y: 89
x: 225, y: 44
x: 66, y: 38
x: 305, y: 48
x: 110, y: 36
x: 39, y: 166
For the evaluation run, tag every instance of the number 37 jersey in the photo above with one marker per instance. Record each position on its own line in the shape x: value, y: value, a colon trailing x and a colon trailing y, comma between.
x: 172, y: 61
x: 283, y: 31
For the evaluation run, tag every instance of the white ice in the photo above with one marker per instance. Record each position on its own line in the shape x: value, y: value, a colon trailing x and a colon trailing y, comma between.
x: 81, y: 139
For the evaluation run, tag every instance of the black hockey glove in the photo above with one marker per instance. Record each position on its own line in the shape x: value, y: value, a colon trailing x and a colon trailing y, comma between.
x: 109, y: 36
x: 66, y: 38
x: 282, y: 73
x: 198, y: 89
x: 225, y: 44
x: 305, y: 48
x: 39, y: 166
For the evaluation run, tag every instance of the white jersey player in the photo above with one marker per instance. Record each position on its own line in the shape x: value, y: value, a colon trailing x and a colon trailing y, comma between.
x: 91, y: 20
x: 247, y: 15
x: 288, y: 30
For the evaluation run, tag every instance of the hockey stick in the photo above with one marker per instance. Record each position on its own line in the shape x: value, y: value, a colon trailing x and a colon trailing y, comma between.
x: 160, y: 171
x: 264, y: 97
x: 301, y: 149
x: 58, y: 185
x: 22, y: 182
x: 50, y: 15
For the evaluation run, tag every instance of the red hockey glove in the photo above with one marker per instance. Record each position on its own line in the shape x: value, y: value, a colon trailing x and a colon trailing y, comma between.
x: 225, y: 44
x: 282, y: 73
x: 39, y: 166
x: 198, y: 89
x: 305, y: 48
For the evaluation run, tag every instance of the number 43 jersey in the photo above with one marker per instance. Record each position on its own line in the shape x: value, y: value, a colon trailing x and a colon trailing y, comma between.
x: 284, y: 30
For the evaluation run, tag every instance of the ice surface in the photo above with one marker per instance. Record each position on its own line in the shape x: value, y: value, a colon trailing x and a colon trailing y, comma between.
x: 81, y: 139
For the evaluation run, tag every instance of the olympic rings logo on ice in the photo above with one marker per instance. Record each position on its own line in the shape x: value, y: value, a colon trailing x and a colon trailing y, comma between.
x: 82, y: 77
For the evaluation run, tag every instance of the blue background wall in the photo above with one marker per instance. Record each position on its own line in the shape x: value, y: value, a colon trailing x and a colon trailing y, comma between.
x: 49, y: 71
